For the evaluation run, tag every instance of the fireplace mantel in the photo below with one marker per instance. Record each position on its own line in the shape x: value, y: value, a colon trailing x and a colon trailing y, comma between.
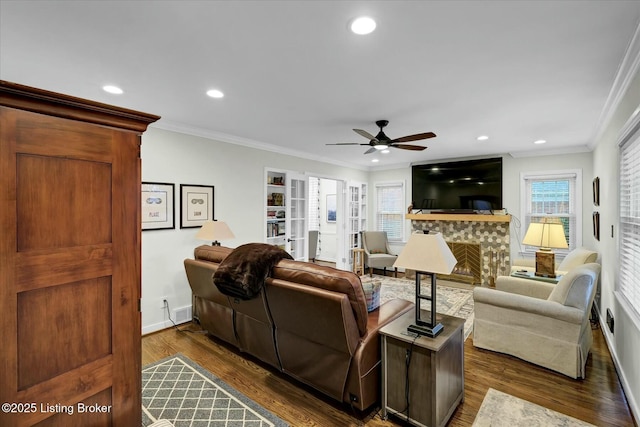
x: 459, y: 217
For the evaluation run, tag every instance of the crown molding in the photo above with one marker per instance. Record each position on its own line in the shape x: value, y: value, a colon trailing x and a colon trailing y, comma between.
x: 250, y: 143
x: 627, y: 70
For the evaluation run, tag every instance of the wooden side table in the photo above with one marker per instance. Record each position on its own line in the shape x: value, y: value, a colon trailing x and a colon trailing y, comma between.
x: 358, y: 261
x: 435, y: 371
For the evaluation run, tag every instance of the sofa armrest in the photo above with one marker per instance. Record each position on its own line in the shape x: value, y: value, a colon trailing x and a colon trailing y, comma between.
x: 527, y: 304
x: 522, y: 286
x: 370, y: 342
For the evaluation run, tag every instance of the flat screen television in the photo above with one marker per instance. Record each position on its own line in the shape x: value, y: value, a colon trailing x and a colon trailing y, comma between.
x: 459, y: 186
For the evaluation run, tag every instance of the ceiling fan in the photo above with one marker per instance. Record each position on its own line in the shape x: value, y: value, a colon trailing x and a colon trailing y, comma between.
x: 382, y: 141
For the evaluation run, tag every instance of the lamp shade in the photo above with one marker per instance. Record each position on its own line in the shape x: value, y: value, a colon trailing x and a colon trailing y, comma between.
x: 428, y: 253
x: 214, y: 230
x: 546, y: 234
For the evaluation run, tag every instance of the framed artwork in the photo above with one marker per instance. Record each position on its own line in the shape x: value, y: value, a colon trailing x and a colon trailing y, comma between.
x: 596, y: 191
x: 158, y: 206
x: 331, y: 208
x: 196, y: 205
x: 596, y: 225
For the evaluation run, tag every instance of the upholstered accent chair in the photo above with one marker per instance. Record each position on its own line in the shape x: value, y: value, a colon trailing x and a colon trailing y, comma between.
x: 573, y: 259
x: 376, y: 251
x: 545, y: 324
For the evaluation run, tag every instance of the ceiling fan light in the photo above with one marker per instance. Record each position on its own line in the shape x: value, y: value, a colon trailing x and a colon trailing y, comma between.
x: 381, y: 147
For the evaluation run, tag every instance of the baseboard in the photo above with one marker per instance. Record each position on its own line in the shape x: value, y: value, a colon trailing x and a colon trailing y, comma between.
x: 616, y: 363
x: 179, y: 315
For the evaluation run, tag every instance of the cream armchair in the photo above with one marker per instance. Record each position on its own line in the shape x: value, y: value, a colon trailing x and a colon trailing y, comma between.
x: 573, y: 259
x: 544, y: 324
x: 376, y: 251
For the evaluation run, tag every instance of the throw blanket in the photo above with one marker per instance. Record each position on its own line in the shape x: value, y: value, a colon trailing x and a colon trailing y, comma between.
x: 243, y: 272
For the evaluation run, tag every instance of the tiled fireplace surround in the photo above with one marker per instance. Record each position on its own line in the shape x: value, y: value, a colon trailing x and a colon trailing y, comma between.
x: 491, y: 232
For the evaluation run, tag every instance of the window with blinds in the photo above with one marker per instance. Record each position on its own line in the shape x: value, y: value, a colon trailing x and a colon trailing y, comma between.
x: 629, y: 278
x: 554, y: 194
x: 390, y: 209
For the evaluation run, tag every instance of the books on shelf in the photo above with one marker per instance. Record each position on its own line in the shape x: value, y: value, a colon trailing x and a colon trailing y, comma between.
x: 275, y: 229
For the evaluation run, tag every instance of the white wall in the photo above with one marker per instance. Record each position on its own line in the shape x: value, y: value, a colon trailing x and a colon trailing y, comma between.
x: 237, y: 172
x: 624, y: 343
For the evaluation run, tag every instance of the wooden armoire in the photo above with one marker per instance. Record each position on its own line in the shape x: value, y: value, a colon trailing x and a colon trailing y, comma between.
x: 69, y: 260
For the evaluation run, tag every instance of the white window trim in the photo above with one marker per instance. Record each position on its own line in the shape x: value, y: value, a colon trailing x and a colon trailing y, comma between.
x: 551, y: 174
x: 375, y: 206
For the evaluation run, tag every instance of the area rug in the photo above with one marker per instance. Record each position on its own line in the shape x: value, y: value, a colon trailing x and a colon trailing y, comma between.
x: 181, y: 391
x: 450, y: 300
x: 499, y: 409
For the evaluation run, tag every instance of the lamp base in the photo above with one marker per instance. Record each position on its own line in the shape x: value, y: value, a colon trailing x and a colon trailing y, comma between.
x: 545, y: 264
x: 430, y: 332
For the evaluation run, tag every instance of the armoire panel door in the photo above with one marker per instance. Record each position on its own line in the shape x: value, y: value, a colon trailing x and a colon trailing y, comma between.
x: 69, y: 270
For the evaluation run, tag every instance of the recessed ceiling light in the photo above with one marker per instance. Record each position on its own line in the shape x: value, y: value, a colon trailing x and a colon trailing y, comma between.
x: 375, y: 160
x: 363, y: 25
x: 113, y: 89
x: 215, y: 93
x: 482, y: 138
x: 540, y: 141
x: 385, y: 151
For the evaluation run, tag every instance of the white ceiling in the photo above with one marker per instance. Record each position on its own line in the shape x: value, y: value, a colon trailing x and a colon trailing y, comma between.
x: 296, y: 79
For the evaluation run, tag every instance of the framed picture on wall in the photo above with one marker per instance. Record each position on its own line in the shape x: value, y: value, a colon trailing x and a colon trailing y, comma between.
x: 596, y: 225
x: 158, y: 206
x: 596, y: 191
x: 331, y: 207
x: 196, y: 205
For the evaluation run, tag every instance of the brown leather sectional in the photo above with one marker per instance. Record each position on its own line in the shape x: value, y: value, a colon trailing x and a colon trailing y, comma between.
x: 309, y: 321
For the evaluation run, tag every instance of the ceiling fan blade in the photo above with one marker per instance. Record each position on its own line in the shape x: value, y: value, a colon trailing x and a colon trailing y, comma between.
x: 415, y: 137
x: 409, y: 147
x: 370, y: 150
x: 365, y: 134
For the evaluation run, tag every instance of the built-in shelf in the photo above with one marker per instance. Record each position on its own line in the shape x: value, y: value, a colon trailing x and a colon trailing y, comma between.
x: 459, y: 217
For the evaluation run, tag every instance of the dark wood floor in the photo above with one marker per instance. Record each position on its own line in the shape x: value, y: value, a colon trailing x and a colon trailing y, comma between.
x: 598, y: 399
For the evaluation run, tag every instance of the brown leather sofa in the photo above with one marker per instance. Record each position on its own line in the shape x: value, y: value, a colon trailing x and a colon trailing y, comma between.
x: 309, y: 321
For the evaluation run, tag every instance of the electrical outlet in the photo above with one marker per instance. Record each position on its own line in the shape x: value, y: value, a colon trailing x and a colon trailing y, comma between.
x: 163, y: 301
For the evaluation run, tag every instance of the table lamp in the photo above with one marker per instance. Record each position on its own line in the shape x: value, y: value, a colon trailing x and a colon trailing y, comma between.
x: 427, y: 254
x: 214, y: 231
x: 546, y: 235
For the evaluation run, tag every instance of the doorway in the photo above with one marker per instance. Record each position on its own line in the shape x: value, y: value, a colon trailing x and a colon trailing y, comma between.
x: 324, y: 217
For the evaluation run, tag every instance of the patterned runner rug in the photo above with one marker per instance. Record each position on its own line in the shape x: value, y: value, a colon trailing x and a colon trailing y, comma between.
x: 503, y: 410
x: 452, y: 301
x: 181, y: 391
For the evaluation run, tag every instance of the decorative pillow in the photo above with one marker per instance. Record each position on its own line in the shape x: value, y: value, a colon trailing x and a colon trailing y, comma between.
x: 371, y: 290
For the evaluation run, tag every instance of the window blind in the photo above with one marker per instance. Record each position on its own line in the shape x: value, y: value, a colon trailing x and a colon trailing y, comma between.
x: 553, y: 195
x: 390, y: 210
x: 629, y: 279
